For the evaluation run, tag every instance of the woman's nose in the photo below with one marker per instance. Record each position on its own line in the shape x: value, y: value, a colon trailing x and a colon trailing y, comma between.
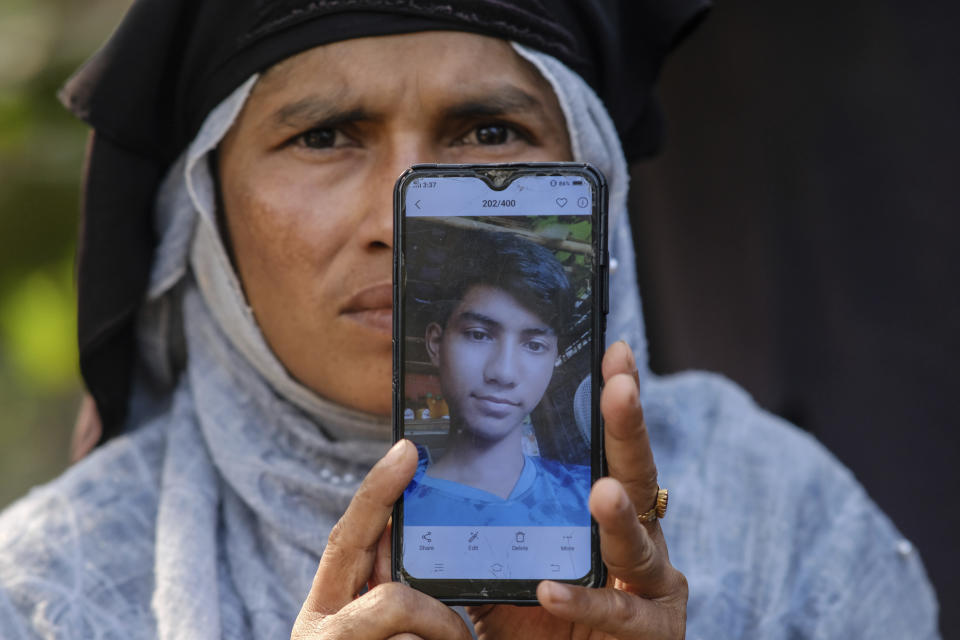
x: 393, y: 159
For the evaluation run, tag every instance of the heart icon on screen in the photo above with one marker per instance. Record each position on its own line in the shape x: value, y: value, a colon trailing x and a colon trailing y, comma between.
x: 561, y: 202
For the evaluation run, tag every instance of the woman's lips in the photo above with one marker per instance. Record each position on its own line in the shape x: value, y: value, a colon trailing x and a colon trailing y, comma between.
x: 372, y: 307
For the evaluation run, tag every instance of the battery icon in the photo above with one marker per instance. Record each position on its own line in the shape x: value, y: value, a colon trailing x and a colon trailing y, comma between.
x: 578, y: 182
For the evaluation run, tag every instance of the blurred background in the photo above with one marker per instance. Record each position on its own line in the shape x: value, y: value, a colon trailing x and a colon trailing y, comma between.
x: 798, y: 234
x: 41, y: 151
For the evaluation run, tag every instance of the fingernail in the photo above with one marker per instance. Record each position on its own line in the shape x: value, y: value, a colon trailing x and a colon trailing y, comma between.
x: 631, y: 360
x: 558, y: 593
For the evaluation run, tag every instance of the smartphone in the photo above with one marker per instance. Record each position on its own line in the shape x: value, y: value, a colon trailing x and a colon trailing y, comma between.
x: 500, y: 303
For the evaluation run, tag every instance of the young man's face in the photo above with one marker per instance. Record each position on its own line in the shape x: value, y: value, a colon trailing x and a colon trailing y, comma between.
x: 307, y: 175
x: 495, y: 357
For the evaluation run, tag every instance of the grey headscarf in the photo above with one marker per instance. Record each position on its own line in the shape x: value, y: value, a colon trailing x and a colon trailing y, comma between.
x: 280, y: 462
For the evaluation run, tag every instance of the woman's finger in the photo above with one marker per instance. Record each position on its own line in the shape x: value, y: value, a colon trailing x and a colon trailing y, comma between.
x: 629, y: 457
x: 631, y: 553
x: 386, y: 611
x: 615, y: 612
x: 382, y: 566
x: 619, y: 359
x: 347, y: 561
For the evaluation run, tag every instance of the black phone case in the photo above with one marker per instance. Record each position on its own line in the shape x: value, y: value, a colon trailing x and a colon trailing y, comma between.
x: 494, y: 591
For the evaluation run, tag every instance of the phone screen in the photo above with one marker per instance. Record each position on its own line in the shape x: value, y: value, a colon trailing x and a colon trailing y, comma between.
x: 499, y: 323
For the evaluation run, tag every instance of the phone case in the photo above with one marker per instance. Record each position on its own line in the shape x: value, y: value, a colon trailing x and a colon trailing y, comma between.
x: 496, y: 588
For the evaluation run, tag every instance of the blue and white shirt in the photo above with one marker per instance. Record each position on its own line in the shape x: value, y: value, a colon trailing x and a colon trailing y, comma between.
x: 547, y: 493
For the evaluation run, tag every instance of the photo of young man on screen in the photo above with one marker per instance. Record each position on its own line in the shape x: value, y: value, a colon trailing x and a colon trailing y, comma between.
x: 495, y: 336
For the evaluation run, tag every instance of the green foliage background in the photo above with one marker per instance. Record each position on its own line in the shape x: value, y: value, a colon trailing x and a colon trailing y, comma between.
x: 41, y: 152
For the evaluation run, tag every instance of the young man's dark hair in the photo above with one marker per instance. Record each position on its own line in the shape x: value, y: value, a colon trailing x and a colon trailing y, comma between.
x: 526, y: 270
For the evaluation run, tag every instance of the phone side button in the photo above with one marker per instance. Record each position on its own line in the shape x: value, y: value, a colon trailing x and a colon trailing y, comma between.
x: 605, y: 283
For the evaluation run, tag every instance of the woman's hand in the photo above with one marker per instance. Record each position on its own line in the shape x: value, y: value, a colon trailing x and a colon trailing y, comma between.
x: 646, y: 597
x: 358, y: 554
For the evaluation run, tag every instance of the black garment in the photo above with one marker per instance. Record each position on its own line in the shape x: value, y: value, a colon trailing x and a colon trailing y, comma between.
x: 170, y: 62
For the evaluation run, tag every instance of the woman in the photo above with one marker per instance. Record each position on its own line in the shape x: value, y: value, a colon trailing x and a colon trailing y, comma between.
x: 240, y: 363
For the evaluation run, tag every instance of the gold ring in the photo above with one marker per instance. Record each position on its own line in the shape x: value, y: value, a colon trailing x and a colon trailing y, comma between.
x: 658, y: 510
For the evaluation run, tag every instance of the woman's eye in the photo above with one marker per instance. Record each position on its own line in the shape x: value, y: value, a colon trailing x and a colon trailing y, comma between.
x: 324, y: 138
x: 490, y: 135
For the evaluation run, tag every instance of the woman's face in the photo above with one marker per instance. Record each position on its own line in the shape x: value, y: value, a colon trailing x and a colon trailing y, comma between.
x: 307, y: 174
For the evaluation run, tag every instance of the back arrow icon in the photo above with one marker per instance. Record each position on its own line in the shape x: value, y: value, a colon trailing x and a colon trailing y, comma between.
x: 417, y: 204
